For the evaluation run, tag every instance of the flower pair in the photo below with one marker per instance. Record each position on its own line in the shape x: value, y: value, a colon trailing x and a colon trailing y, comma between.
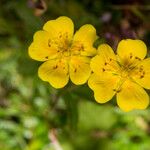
x: 68, y: 55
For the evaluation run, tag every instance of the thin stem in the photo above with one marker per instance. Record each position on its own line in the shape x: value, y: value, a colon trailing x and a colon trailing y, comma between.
x: 54, y: 140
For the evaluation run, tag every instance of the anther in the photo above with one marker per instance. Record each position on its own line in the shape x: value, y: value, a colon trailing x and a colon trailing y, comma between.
x: 117, y: 91
x: 137, y: 58
x: 55, y: 67
x: 140, y: 69
x: 105, y: 63
x: 49, y: 41
x: 131, y: 56
x: 46, y: 57
x: 75, y: 70
x: 82, y: 47
x: 142, y: 76
x: 103, y: 69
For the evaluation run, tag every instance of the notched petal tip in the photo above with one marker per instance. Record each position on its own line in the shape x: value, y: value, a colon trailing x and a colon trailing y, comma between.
x: 62, y: 24
x: 105, y: 47
x: 88, y: 27
x: 59, y: 19
x: 127, y: 47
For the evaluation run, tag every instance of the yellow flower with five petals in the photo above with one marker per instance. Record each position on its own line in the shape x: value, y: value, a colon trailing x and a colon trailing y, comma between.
x: 124, y: 74
x: 65, y: 54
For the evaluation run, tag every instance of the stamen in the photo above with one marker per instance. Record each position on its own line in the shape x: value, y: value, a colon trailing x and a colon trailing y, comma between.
x: 77, y: 47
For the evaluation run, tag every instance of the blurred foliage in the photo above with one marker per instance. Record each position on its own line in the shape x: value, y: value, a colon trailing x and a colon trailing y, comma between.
x: 30, y: 110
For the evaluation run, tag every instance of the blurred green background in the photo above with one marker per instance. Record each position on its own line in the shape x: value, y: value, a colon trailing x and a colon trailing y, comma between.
x: 35, y: 116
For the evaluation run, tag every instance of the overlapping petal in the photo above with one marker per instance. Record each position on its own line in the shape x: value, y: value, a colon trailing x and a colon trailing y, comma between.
x: 85, y: 38
x: 132, y: 96
x: 105, y: 61
x: 103, y: 86
x: 79, y: 69
x: 55, y: 72
x: 129, y: 47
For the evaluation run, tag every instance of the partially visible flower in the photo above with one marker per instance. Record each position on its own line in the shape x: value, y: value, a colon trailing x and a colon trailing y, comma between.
x: 65, y: 55
x: 123, y: 74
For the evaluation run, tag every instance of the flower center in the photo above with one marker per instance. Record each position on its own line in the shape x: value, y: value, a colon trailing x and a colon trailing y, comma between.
x: 66, y: 46
x: 130, y: 65
x: 61, y: 43
x: 124, y: 68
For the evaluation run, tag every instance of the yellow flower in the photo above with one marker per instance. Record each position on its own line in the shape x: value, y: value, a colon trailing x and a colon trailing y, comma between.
x: 123, y: 74
x: 65, y: 55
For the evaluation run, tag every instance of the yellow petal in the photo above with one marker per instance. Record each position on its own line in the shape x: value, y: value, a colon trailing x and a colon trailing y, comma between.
x: 39, y: 49
x: 59, y: 28
x: 55, y: 72
x: 128, y: 47
x: 132, y: 96
x: 79, y: 69
x: 85, y: 38
x: 142, y: 77
x: 103, y: 86
x: 104, y: 61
